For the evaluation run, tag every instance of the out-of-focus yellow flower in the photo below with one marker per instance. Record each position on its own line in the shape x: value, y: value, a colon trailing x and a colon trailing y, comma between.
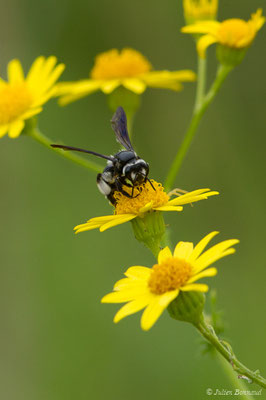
x: 147, y: 200
x: 21, y: 98
x: 231, y: 33
x: 128, y: 68
x: 155, y: 288
x: 199, y: 10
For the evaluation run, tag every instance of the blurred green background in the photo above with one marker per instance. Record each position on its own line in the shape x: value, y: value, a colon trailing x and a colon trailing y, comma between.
x: 57, y: 340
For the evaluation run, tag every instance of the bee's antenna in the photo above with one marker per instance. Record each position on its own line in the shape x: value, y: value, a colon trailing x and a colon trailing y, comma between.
x: 69, y: 148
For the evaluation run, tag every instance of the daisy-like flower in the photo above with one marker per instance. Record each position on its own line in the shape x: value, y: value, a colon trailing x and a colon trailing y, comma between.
x: 128, y: 68
x: 21, y: 98
x: 199, y: 10
x: 232, y: 33
x: 155, y: 288
x: 146, y: 200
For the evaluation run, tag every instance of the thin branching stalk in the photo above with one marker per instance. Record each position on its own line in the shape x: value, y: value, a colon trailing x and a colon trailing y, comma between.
x: 227, y: 353
x: 202, y: 102
x: 44, y: 140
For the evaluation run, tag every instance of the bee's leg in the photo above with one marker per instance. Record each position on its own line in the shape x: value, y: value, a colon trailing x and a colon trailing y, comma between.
x: 111, y: 198
x: 119, y: 188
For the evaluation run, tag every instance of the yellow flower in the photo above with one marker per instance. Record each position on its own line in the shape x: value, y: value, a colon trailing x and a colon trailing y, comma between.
x: 21, y: 98
x: 147, y: 200
x: 155, y: 288
x: 199, y: 10
x: 231, y: 33
x: 127, y: 68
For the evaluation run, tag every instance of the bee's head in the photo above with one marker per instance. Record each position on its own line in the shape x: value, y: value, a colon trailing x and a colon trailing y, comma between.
x: 137, y: 173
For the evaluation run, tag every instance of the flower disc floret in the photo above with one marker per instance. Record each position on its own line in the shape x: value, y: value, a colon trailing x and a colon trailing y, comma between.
x: 171, y: 274
x: 143, y: 194
x: 114, y: 64
x: 14, y: 101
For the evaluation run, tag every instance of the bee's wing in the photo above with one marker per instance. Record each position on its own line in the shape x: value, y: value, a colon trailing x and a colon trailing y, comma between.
x: 119, y: 125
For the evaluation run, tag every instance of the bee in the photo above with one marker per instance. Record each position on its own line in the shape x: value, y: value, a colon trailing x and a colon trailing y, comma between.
x: 124, y: 168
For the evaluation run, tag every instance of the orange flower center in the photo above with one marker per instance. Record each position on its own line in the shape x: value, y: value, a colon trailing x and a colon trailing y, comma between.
x: 143, y: 194
x: 171, y: 274
x: 14, y: 101
x: 234, y: 31
x: 115, y: 65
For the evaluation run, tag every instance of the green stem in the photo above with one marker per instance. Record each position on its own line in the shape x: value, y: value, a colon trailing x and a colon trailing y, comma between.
x: 238, y: 383
x: 201, y: 104
x: 226, y: 352
x: 44, y: 140
x: 201, y: 82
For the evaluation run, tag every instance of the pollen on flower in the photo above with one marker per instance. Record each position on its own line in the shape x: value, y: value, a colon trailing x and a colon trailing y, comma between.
x: 14, y: 101
x: 143, y: 194
x: 171, y: 274
x: 114, y: 64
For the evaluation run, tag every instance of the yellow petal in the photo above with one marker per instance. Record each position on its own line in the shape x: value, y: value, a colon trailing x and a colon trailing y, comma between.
x: 128, y: 283
x: 117, y: 221
x: 71, y: 91
x: 192, y: 197
x: 87, y: 227
x: 168, y: 79
x: 95, y: 223
x: 156, y: 308
x: 180, y: 199
x: 204, y: 42
x: 108, y: 87
x: 132, y: 307
x: 198, y: 287
x: 213, y: 254
x: 169, y: 208
x: 146, y: 208
x: 15, y: 128
x: 134, y: 84
x: 31, y: 113
x: 47, y: 66
x: 104, y: 218
x: 204, y: 274
x: 201, y: 246
x: 15, y: 72
x: 53, y: 77
x: 125, y: 295
x: 202, y: 27
x: 34, y: 72
x: 3, y: 130
x: 138, y: 272
x: 183, y: 250
x: 164, y: 254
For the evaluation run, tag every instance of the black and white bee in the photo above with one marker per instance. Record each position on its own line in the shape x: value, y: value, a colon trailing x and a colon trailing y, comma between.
x: 124, y: 168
